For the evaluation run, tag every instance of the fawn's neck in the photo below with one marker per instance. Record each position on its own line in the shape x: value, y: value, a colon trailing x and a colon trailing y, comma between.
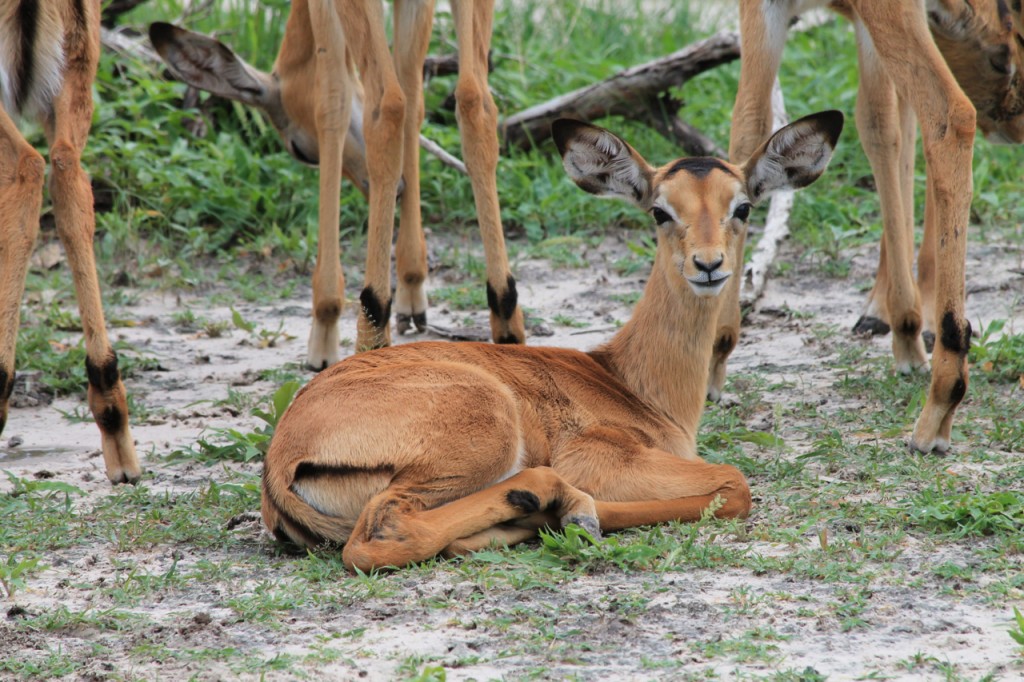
x: 663, y: 352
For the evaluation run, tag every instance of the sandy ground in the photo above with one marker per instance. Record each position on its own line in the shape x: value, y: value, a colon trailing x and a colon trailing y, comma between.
x: 684, y: 606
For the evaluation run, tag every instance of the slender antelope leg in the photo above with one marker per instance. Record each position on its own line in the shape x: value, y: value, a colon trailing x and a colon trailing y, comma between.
x: 413, y: 20
x: 762, y: 32
x: 395, y: 529
x: 67, y: 131
x: 882, y: 136
x: 478, y: 125
x: 383, y: 125
x: 926, y: 270
x: 947, y: 119
x: 333, y: 110
x: 22, y: 171
x: 875, y: 319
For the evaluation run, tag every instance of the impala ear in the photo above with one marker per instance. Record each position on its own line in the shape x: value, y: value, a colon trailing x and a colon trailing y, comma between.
x: 210, y: 65
x: 795, y: 156
x: 601, y: 162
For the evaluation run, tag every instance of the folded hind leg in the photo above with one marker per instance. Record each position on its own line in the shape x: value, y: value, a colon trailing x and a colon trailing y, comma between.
x: 502, y: 535
x: 397, y: 528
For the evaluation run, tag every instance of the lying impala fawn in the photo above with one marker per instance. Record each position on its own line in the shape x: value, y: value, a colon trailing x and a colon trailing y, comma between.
x: 48, y: 57
x: 912, y: 55
x: 406, y: 452
x: 369, y: 131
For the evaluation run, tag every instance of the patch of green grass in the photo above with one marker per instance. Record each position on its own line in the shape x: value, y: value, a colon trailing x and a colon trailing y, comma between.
x: 975, y: 513
x: 241, y: 446
x: 462, y: 297
x: 566, y: 321
x: 754, y: 645
x: 1016, y: 631
x: 999, y: 353
x: 61, y: 618
x: 60, y: 360
x: 14, y: 571
x: 564, y: 251
x: 52, y: 665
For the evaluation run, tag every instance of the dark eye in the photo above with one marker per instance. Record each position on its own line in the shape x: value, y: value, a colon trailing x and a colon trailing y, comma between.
x: 660, y: 216
x: 742, y: 212
x: 1000, y: 60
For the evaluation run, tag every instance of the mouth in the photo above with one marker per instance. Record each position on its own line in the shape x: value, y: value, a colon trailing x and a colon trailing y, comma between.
x: 708, y: 283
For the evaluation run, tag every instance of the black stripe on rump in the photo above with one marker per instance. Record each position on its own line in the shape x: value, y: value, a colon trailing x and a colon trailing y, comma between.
x: 311, y: 470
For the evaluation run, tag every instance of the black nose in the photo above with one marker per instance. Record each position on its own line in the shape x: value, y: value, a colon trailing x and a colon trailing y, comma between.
x: 707, y: 267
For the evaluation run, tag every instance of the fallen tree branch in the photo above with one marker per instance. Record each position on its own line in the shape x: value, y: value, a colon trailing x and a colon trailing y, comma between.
x: 634, y: 93
x: 447, y: 159
x: 138, y: 47
x: 128, y: 44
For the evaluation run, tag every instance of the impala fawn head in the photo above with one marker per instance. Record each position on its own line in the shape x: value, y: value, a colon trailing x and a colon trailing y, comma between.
x: 983, y: 44
x: 699, y: 204
x: 285, y: 95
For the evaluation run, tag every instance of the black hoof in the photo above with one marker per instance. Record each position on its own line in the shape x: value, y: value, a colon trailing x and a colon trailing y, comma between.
x: 313, y: 368
x: 587, y: 523
x: 869, y: 325
x: 404, y: 322
x: 929, y: 341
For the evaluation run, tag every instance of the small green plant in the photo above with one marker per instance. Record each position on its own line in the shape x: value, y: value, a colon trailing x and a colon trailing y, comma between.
x: 567, y: 321
x: 969, y: 513
x: 239, y: 446
x: 575, y: 545
x: 259, y: 337
x: 12, y: 573
x: 998, y: 355
x: 1017, y: 631
x: 471, y: 296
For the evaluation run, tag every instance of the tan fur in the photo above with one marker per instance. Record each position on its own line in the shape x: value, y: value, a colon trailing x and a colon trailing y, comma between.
x: 322, y: 110
x: 468, y: 444
x: 911, y: 56
x: 66, y: 116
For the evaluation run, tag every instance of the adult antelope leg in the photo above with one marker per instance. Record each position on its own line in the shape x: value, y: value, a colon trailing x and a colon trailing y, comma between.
x: 926, y: 269
x: 882, y: 137
x: 333, y: 110
x: 947, y: 120
x: 67, y: 131
x: 413, y: 20
x: 395, y: 529
x: 22, y: 171
x: 478, y: 127
x: 751, y: 125
x: 384, y: 122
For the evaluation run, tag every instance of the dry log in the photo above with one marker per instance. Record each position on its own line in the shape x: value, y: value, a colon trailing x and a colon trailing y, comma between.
x: 635, y: 93
x: 138, y: 47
